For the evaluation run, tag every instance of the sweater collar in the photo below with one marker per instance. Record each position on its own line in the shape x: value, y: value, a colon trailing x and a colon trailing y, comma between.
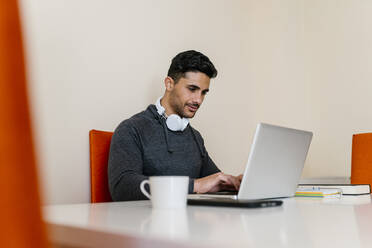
x: 160, y: 118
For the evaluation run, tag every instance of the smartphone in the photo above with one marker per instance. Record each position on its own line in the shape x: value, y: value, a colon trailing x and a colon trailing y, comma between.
x: 235, y: 203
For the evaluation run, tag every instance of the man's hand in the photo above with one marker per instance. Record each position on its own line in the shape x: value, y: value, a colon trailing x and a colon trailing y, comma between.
x: 217, y: 182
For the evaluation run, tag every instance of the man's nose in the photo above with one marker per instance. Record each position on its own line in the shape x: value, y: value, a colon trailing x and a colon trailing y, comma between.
x: 198, y: 99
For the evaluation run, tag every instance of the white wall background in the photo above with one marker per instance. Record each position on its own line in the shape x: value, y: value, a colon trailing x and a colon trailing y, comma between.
x: 299, y: 63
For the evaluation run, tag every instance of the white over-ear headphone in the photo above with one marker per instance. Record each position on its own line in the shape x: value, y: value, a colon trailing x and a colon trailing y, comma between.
x: 174, y: 122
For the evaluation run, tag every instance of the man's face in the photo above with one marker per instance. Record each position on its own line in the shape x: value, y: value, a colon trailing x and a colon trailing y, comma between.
x: 188, y: 93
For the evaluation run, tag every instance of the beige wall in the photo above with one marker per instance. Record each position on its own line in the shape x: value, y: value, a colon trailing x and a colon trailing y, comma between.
x: 298, y: 63
x: 338, y: 62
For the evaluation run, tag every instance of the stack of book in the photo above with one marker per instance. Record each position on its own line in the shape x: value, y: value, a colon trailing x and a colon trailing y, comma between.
x: 318, y: 192
x: 323, y: 190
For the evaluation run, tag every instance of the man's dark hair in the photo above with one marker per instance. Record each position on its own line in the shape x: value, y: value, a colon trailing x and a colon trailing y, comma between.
x: 191, y: 61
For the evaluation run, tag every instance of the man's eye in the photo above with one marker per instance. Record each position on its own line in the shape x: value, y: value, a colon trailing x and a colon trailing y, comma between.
x: 192, y: 89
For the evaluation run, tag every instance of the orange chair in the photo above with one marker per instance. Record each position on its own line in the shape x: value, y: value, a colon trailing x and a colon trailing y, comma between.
x: 361, y: 159
x: 99, y: 142
x: 20, y: 213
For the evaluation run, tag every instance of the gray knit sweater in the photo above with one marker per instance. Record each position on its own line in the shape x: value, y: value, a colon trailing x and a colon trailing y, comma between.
x: 143, y: 146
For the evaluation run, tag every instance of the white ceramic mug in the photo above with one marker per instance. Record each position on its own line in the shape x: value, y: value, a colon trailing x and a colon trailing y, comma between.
x: 167, y: 191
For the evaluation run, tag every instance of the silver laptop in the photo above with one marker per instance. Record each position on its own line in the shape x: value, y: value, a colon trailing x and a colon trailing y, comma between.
x: 274, y: 164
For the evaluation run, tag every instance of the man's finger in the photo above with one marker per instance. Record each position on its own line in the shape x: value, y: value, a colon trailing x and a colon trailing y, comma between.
x: 236, y: 182
x: 240, y: 177
x: 233, y: 181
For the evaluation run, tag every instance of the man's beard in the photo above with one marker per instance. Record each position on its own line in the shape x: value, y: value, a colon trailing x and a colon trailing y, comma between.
x: 179, y: 109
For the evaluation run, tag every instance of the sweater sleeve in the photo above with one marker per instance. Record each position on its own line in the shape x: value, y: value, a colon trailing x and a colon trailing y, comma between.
x: 209, y: 167
x: 125, y: 166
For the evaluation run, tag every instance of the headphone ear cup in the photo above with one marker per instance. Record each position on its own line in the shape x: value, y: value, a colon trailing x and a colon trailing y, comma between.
x: 174, y: 123
x: 185, y: 122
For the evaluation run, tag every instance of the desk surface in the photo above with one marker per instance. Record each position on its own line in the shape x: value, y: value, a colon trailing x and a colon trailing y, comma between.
x: 300, y: 222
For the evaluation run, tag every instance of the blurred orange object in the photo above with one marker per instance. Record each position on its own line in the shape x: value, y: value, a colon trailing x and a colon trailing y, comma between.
x: 21, y: 223
x: 99, y: 142
x: 361, y: 159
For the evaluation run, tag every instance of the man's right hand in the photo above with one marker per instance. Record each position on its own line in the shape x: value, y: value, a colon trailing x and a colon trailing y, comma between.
x: 217, y: 182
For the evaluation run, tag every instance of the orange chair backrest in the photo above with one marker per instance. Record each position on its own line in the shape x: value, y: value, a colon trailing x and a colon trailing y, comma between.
x: 20, y: 214
x: 361, y: 159
x: 99, y: 142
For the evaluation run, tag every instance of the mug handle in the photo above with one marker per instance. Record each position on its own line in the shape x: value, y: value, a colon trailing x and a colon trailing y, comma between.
x: 142, y: 187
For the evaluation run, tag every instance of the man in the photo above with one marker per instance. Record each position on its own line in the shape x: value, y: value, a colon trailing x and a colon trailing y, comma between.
x: 160, y: 140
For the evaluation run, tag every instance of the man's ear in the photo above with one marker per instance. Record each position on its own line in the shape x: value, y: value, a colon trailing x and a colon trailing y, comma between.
x: 169, y: 83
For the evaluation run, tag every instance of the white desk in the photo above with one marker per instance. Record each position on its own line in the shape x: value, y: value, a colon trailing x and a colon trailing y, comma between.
x: 300, y: 222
